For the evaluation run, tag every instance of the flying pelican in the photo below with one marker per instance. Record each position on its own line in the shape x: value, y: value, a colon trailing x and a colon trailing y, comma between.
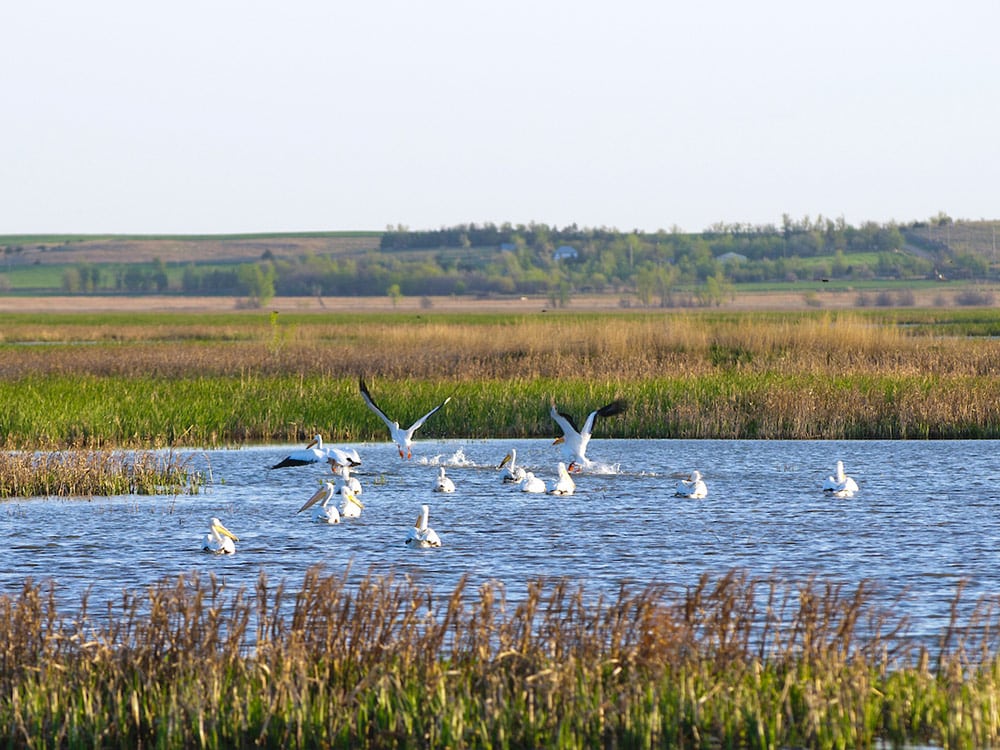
x: 422, y: 535
x: 532, y: 483
x: 575, y: 441
x: 840, y: 485
x: 693, y: 486
x: 443, y: 483
x: 402, y: 438
x: 514, y: 474
x: 565, y: 484
x: 325, y: 512
x: 219, y: 540
x: 316, y: 452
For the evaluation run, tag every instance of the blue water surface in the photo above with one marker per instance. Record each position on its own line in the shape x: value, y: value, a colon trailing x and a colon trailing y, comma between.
x: 925, y: 519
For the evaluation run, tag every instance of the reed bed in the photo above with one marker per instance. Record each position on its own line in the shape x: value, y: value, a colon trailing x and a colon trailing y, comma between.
x: 382, y: 662
x: 230, y: 380
x: 139, y: 412
x: 74, y: 473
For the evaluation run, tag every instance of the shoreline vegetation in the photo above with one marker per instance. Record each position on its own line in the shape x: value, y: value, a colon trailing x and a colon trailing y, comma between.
x: 173, y: 380
x: 377, y: 662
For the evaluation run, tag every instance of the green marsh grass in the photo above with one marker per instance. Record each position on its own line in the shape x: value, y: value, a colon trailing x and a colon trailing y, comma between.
x: 385, y: 662
x: 189, y: 380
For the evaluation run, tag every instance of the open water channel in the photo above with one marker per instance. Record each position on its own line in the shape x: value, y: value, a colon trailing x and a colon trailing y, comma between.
x: 927, y: 516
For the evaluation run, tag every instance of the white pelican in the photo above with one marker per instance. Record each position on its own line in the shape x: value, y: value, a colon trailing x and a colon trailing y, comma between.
x: 325, y: 512
x: 693, y: 486
x: 515, y: 474
x: 532, y: 483
x: 316, y: 452
x: 840, y: 485
x: 347, y: 457
x: 350, y: 506
x: 575, y: 441
x: 422, y: 535
x: 343, y: 475
x: 443, y: 483
x: 565, y: 484
x: 219, y: 540
x: 402, y: 438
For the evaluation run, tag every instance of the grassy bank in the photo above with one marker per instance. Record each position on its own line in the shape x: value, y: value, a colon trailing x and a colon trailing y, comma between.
x: 183, y: 380
x: 729, y: 662
x: 52, y: 412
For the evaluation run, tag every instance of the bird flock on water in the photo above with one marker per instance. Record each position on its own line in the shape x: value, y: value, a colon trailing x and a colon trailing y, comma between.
x: 340, y: 498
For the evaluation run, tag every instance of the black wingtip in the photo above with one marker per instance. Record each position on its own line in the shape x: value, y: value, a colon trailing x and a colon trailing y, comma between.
x: 614, y: 408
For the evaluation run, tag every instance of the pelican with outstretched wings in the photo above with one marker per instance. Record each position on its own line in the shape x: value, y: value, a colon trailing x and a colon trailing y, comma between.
x: 403, y: 438
x: 573, y: 440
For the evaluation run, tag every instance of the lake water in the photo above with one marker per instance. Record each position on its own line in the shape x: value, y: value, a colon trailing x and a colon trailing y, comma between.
x: 925, y: 518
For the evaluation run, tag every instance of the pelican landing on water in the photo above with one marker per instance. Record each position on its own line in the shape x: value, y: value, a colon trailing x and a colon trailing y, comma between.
x: 574, y: 441
x: 402, y: 438
x: 316, y: 452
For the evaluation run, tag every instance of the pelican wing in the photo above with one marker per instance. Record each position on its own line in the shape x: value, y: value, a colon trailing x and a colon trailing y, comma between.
x: 565, y: 422
x: 416, y: 425
x: 373, y: 406
x: 608, y: 410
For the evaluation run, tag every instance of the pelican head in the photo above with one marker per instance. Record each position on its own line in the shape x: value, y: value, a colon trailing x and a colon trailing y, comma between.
x: 317, y: 441
x: 219, y: 539
x: 218, y: 528
x: 506, y: 460
x: 559, y: 440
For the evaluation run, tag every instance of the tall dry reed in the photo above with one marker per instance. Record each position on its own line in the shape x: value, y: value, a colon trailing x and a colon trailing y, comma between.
x: 382, y: 662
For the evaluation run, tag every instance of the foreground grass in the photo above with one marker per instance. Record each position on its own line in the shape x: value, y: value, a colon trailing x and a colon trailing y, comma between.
x: 728, y: 662
x: 184, y: 380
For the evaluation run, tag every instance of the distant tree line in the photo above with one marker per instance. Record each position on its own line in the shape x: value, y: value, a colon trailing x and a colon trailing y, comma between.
x: 665, y: 267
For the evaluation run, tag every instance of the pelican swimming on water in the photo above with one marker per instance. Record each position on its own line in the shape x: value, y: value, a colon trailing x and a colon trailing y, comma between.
x: 422, y: 535
x: 840, y: 485
x: 514, y: 473
x: 443, y: 482
x: 350, y: 506
x: 565, y: 484
x: 342, y: 472
x: 325, y: 512
x: 219, y: 540
x: 402, y: 438
x: 532, y: 483
x: 693, y: 486
x: 316, y: 452
x: 573, y: 440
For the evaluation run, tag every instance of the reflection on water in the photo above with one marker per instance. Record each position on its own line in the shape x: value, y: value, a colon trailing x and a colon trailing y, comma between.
x: 925, y: 518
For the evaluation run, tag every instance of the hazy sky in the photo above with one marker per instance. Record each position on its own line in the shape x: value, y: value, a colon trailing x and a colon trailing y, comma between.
x: 218, y: 116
